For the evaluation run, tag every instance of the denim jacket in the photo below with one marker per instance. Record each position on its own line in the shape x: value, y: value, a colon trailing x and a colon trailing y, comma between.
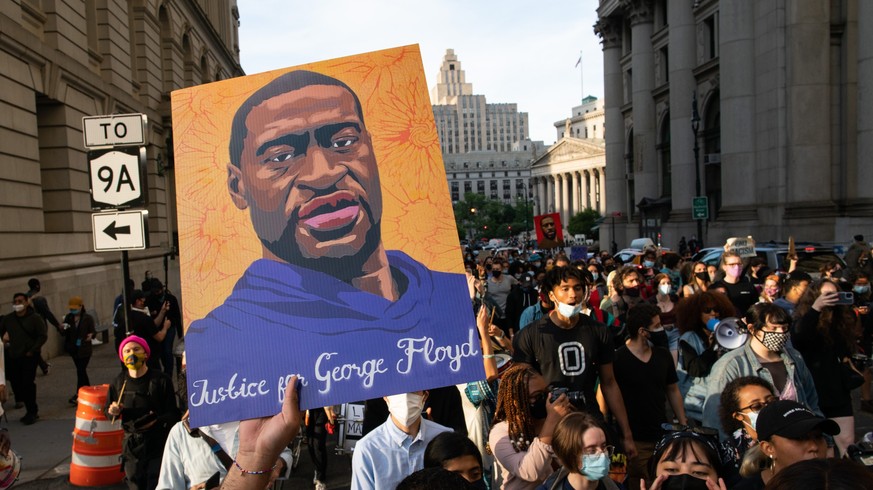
x: 743, y: 362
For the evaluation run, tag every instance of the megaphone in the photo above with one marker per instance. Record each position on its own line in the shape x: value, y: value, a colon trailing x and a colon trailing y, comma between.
x: 730, y: 332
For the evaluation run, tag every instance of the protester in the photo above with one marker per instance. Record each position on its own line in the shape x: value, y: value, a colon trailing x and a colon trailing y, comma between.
x: 740, y: 290
x: 499, y: 286
x: 388, y: 454
x: 695, y: 278
x: 816, y: 474
x: 666, y: 301
x: 861, y: 288
x: 524, y: 423
x: 319, y: 422
x: 765, y: 354
x: 771, y: 289
x: 789, y: 432
x: 697, y: 352
x: 826, y: 334
x: 79, y: 329
x: 40, y: 305
x: 792, y: 290
x: 163, y: 304
x: 858, y: 250
x: 647, y: 378
x: 742, y: 400
x: 434, y: 479
x: 153, y: 330
x: 572, y: 350
x: 672, y: 264
x: 146, y: 403
x: 757, y: 271
x: 456, y: 453
x: 687, y: 459
x: 534, y: 312
x: 194, y: 455
x: 25, y: 331
x: 579, y: 444
x: 628, y: 287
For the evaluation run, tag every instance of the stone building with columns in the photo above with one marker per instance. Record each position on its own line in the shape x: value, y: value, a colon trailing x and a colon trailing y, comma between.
x: 784, y: 147
x: 65, y: 59
x: 485, y: 147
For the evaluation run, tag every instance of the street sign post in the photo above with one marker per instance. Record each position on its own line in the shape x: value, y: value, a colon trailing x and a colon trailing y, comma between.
x: 114, y: 130
x: 122, y: 230
x: 118, y: 178
x: 700, y: 207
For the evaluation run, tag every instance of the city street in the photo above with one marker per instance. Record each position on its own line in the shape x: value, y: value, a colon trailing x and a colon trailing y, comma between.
x: 46, y: 446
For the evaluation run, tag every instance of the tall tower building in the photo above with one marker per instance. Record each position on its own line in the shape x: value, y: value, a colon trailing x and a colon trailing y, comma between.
x: 485, y: 147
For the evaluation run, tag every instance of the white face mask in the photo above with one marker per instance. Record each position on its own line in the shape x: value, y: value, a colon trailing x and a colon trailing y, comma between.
x: 17, y: 308
x: 753, y: 419
x: 568, y: 311
x: 664, y: 289
x: 406, y: 407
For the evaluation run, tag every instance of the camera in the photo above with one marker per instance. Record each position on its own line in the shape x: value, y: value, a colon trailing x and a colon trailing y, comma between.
x: 577, y: 398
x: 861, y: 362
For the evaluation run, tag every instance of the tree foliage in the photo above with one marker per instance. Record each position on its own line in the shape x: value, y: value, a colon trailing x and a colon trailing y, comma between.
x: 582, y: 222
x: 477, y: 217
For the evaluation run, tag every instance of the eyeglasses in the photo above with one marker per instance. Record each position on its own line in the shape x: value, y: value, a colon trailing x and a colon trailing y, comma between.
x: 593, y: 451
x: 758, y: 406
x: 734, y: 265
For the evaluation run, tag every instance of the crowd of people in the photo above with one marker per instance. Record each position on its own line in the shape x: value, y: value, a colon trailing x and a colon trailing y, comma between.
x: 599, y: 375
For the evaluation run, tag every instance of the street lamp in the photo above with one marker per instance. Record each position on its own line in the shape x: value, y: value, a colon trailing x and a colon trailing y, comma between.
x: 695, y: 126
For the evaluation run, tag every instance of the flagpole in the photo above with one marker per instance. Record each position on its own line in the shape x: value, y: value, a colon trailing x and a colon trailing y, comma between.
x: 581, y: 75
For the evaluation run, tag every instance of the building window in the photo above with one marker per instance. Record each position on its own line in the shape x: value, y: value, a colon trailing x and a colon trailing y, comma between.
x: 455, y: 192
x: 664, y: 156
x: 710, y: 33
x: 664, y: 66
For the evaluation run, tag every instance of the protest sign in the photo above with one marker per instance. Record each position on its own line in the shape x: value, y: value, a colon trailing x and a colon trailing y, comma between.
x: 550, y: 233
x: 745, y: 247
x: 317, y: 239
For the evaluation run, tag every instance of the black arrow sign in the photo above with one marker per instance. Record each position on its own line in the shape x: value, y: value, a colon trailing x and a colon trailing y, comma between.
x: 113, y: 230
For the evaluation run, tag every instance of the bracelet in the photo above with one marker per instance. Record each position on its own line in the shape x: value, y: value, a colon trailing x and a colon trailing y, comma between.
x: 501, y: 337
x: 243, y: 471
x: 487, y: 356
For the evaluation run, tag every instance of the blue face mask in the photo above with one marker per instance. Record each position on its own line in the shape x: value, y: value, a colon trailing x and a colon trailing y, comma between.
x: 74, y: 312
x: 595, y: 466
x: 648, y: 263
x: 861, y: 289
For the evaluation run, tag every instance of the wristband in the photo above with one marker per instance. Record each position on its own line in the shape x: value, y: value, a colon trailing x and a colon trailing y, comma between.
x: 501, y: 337
x: 244, y: 471
x: 487, y: 356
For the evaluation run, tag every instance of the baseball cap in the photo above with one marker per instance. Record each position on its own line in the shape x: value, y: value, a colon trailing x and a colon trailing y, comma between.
x: 792, y: 420
x: 75, y: 302
x: 535, y: 257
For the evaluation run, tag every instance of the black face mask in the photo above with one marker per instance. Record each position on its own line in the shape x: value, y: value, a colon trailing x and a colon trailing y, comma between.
x: 703, y: 276
x: 479, y: 485
x: 683, y: 482
x: 538, y: 408
x: 659, y: 339
x: 632, y: 292
x: 496, y: 272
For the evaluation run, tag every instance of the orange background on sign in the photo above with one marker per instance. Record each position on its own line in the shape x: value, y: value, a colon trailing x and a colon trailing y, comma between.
x: 216, y: 240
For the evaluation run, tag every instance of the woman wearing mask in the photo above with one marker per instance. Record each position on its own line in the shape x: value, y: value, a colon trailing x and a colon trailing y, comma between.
x: 826, y: 333
x: 696, y: 278
x: 697, y: 352
x: 771, y: 290
x: 456, y: 453
x: 78, y: 331
x: 741, y: 402
x: 686, y: 460
x: 666, y: 302
x: 524, y: 424
x: 788, y: 432
x: 145, y: 401
x: 580, y: 446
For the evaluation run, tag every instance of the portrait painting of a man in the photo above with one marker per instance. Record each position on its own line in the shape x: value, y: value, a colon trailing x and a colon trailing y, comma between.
x: 549, y: 232
x: 323, y: 297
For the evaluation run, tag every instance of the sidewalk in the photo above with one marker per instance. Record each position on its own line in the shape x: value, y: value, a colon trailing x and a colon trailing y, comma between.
x: 46, y: 446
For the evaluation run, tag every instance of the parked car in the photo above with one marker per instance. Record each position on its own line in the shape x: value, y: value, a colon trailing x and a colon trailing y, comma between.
x: 810, y: 257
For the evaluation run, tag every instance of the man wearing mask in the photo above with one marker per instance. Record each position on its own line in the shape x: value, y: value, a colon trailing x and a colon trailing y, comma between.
x: 395, y: 449
x: 534, y: 312
x: 26, y: 333
x: 766, y: 355
x: 143, y: 325
x: 740, y: 290
x: 499, y: 286
x: 627, y: 285
x: 645, y: 372
x: 573, y: 350
x: 39, y: 303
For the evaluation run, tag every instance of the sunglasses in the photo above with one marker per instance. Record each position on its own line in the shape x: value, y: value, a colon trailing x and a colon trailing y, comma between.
x: 758, y: 406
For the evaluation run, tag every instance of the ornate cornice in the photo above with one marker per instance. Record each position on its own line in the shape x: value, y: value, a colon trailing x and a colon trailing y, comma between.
x: 609, y: 30
x: 639, y: 11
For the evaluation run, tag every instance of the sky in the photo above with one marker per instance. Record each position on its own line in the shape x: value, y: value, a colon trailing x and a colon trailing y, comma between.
x: 511, y: 50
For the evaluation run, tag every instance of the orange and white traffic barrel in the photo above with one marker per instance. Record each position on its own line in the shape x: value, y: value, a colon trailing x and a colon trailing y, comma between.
x: 97, y: 441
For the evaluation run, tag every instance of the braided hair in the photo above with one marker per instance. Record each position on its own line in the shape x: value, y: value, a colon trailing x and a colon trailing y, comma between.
x: 513, y: 406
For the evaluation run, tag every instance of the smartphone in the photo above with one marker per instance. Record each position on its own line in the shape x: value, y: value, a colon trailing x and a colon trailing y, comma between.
x: 214, y: 481
x: 845, y: 298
